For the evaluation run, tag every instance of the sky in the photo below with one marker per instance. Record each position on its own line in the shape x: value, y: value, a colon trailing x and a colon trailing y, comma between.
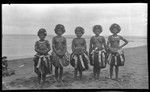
x: 29, y: 18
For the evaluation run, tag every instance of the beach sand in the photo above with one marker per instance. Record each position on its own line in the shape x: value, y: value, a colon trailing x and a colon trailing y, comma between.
x: 133, y: 75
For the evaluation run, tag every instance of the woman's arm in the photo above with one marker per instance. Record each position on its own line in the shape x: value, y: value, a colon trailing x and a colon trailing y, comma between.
x: 104, y: 43
x: 36, y: 48
x: 73, y: 46
x: 125, y: 42
x: 91, y: 45
x: 109, y: 48
x: 108, y: 43
x: 48, y: 47
x: 84, y: 41
x: 53, y: 45
x: 65, y: 45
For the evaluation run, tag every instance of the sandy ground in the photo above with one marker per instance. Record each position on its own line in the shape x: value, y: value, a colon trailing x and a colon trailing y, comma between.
x: 134, y: 75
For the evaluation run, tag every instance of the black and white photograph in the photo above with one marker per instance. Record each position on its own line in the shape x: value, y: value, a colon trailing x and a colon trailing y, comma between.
x: 74, y: 46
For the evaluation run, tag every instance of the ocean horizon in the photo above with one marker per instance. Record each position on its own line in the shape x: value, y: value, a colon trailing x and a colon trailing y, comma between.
x: 22, y: 46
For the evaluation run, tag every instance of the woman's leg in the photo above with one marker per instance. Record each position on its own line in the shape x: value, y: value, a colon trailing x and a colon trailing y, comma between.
x: 56, y: 73
x: 98, y: 73
x: 39, y: 78
x: 94, y: 71
x: 60, y: 73
x: 48, y: 66
x: 111, y: 71
x: 80, y: 74
x: 35, y: 59
x: 95, y: 65
x: 75, y: 73
x: 112, y: 63
x: 43, y: 78
x: 116, y: 71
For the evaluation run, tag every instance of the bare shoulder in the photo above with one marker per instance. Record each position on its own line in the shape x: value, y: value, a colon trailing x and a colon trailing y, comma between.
x: 54, y: 37
x: 120, y: 37
x: 74, y: 39
x: 64, y: 38
x: 92, y: 37
x: 46, y: 41
x: 83, y: 39
x: 36, y: 42
x: 102, y: 37
x: 109, y: 37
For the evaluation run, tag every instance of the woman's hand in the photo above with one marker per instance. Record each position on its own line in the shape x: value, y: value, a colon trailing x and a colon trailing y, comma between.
x: 120, y: 47
x: 79, y: 50
x: 114, y: 49
x: 60, y: 52
x: 46, y: 51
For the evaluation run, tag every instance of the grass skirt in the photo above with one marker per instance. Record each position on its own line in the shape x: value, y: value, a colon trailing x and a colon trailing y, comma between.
x: 79, y: 61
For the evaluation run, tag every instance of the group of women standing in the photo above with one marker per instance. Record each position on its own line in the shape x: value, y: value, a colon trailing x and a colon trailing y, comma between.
x: 100, y: 52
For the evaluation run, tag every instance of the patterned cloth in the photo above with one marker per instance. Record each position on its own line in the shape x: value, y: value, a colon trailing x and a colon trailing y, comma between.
x: 80, y: 61
x: 43, y: 64
x: 98, y: 58
x: 116, y: 58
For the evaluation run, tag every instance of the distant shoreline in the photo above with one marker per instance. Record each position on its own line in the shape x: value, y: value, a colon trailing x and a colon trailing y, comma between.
x: 33, y: 56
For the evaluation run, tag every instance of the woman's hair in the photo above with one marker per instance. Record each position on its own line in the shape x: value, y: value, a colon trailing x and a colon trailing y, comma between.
x: 4, y: 57
x: 114, y: 25
x: 79, y: 29
x: 97, y: 27
x: 42, y: 31
x: 59, y: 26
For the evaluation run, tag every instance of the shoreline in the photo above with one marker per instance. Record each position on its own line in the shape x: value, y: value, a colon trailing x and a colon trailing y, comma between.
x: 33, y: 55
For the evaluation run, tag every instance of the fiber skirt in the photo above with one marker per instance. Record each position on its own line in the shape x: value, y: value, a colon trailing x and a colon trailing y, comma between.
x: 116, y: 58
x: 42, y: 65
x: 98, y: 59
x: 79, y: 61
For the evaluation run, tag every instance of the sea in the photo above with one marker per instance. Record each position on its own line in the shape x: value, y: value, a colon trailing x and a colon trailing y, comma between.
x: 22, y: 46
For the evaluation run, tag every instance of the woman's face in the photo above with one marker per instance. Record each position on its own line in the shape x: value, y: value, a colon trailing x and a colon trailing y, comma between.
x: 115, y: 30
x: 42, y: 36
x: 78, y: 33
x: 97, y: 31
x: 59, y: 31
x: 4, y: 59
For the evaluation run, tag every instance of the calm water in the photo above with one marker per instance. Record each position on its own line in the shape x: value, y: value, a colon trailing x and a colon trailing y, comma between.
x: 22, y: 46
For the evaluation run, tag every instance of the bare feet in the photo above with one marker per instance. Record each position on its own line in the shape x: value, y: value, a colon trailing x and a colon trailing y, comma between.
x: 56, y: 79
x: 110, y: 77
x: 97, y: 77
x: 60, y: 79
x: 75, y: 78
x: 80, y: 78
x: 116, y: 79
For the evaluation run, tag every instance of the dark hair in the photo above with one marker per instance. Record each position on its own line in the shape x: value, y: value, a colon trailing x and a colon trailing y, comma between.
x: 79, y: 29
x: 97, y: 27
x: 114, y: 25
x: 42, y: 30
x: 59, y: 26
x: 4, y: 57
